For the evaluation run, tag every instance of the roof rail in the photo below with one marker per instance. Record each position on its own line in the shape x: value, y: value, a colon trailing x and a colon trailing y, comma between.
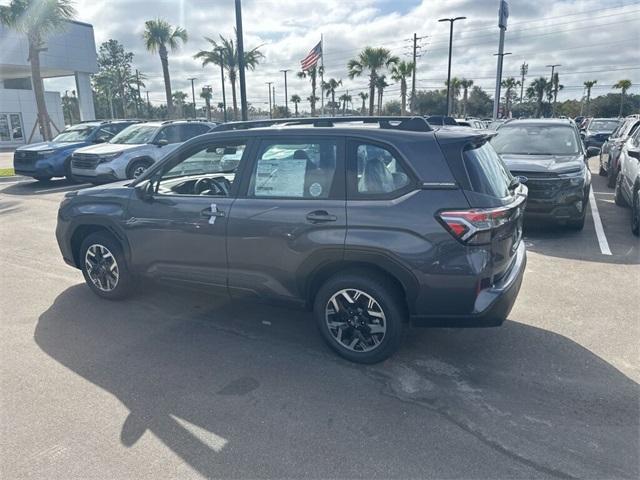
x: 410, y: 124
x: 198, y: 120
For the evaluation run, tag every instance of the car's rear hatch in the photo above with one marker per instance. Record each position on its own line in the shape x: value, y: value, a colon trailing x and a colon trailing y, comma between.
x: 495, y: 197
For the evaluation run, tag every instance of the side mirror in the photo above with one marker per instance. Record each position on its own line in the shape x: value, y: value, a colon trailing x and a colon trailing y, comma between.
x: 100, y: 140
x: 162, y: 142
x: 593, y: 151
x: 145, y: 190
x: 522, y: 179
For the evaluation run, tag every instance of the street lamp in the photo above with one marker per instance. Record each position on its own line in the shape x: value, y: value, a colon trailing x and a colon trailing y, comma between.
x: 270, y: 109
x: 555, y: 93
x: 451, y: 21
x: 496, y: 101
x: 193, y: 96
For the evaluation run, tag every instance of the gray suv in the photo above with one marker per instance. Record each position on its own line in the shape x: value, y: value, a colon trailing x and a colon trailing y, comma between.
x: 371, y: 222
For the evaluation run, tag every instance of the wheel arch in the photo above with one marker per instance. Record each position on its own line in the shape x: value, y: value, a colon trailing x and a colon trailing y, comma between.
x: 84, y: 229
x: 144, y: 158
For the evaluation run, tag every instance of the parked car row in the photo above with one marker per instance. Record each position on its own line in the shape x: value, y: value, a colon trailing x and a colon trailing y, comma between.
x: 627, y: 178
x: 104, y: 151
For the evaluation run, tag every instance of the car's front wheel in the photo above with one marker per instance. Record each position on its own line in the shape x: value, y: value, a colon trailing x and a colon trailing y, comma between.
x: 618, y: 195
x: 360, y: 315
x: 137, y: 168
x: 611, y: 175
x: 104, y: 268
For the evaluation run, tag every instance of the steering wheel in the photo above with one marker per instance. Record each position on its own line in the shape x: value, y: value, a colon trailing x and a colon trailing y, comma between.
x: 202, y: 185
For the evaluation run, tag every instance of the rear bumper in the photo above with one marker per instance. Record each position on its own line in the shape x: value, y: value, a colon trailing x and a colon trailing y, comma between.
x: 492, y: 305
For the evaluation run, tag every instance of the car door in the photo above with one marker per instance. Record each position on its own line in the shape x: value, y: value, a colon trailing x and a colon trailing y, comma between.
x: 168, y: 138
x: 630, y: 159
x: 289, y: 218
x: 177, y: 230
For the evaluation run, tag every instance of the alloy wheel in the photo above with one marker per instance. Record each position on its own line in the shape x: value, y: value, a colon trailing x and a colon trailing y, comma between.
x: 139, y: 171
x: 355, y: 320
x: 102, y: 267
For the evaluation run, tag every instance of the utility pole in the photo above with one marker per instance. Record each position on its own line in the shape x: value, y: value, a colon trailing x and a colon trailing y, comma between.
x: 503, y: 15
x: 286, y: 98
x: 138, y: 99
x: 414, y: 56
x: 193, y: 97
x: 524, y: 69
x: 243, y: 85
x: 451, y: 22
x: 553, y: 107
x: 274, y: 97
x: 270, y: 109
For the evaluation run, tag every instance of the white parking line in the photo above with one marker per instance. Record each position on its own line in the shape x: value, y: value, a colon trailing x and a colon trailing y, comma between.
x: 602, y: 239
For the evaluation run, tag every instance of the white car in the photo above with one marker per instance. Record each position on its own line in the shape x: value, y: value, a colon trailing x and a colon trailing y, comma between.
x: 133, y: 150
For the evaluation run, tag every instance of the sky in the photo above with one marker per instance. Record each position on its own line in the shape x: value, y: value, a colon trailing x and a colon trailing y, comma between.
x: 591, y: 39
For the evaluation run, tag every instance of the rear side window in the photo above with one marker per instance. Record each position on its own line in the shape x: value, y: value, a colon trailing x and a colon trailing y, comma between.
x: 380, y: 173
x: 487, y: 172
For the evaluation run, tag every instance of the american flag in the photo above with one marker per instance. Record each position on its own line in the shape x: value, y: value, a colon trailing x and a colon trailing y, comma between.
x: 312, y: 57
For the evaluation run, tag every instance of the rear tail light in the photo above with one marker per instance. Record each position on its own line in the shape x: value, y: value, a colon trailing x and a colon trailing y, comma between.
x: 475, y: 226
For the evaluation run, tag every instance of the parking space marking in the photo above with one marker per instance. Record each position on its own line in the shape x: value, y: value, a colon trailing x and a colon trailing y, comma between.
x: 602, y: 239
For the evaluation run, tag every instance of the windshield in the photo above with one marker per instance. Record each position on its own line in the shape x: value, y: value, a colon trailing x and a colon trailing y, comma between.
x: 75, y: 134
x: 536, y: 140
x: 603, y: 125
x: 135, y: 135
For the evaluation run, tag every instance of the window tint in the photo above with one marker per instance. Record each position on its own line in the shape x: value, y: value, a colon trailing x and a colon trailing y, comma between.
x: 487, y: 172
x: 171, y: 134
x: 209, y: 171
x: 536, y: 140
x: 379, y: 172
x: 294, y: 169
x: 192, y: 130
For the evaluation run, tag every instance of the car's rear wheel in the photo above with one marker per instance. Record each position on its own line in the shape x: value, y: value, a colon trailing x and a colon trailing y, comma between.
x: 635, y: 213
x: 618, y: 196
x: 137, y: 168
x: 67, y: 170
x: 360, y: 316
x: 602, y: 172
x: 611, y: 176
x: 104, y: 267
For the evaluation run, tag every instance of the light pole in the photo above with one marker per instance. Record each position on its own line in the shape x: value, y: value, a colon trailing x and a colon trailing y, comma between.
x: 524, y: 69
x: 193, y: 96
x: 553, y: 107
x: 496, y: 102
x: 451, y: 21
x: 270, y: 110
x: 243, y: 85
x: 286, y: 98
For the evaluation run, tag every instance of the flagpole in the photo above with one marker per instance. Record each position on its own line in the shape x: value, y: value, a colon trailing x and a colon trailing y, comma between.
x: 321, y: 74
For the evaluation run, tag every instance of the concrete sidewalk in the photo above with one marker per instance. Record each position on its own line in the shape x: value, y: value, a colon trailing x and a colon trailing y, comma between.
x: 6, y: 159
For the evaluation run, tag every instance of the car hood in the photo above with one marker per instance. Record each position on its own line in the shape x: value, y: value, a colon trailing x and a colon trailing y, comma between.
x: 106, y: 148
x: 43, y: 146
x: 106, y: 188
x: 543, y: 163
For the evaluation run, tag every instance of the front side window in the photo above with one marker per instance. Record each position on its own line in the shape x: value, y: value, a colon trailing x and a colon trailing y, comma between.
x: 193, y: 130
x: 135, y: 135
x: 294, y: 170
x: 171, y: 134
x: 209, y: 171
x: 379, y: 171
x: 536, y: 140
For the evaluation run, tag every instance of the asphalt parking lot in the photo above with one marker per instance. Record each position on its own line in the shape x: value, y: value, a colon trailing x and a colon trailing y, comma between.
x: 174, y: 384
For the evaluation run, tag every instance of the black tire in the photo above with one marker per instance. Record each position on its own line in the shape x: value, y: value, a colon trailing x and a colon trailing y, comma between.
x: 576, y: 225
x: 635, y: 213
x: 602, y: 172
x: 619, y: 196
x: 43, y: 179
x: 389, y: 301
x: 611, y: 176
x: 136, y: 166
x: 124, y: 284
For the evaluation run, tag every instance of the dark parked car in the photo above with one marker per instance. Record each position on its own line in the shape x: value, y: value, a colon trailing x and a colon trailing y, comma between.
x: 368, y: 227
x: 628, y: 180
x: 45, y: 160
x: 597, y: 131
x: 609, y: 156
x: 551, y: 156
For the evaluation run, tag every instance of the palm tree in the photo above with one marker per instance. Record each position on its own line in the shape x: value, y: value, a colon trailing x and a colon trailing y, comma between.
x: 206, y: 94
x: 454, y: 91
x: 466, y: 84
x: 312, y: 73
x: 589, y: 85
x: 225, y: 54
x: 372, y: 59
x: 509, y: 84
x: 295, y: 98
x: 536, y: 90
x: 345, y: 98
x: 37, y: 19
x: 363, y: 96
x: 330, y: 87
x: 399, y: 72
x: 623, y: 85
x: 160, y: 36
x: 179, y: 98
x: 381, y: 84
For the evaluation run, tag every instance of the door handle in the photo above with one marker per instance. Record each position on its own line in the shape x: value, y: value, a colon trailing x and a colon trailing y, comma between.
x: 207, y: 212
x: 320, y: 216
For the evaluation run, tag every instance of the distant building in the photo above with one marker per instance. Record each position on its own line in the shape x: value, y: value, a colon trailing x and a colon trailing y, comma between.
x: 69, y: 52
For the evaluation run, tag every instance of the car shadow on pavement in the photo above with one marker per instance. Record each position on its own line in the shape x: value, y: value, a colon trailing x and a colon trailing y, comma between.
x: 27, y: 187
x: 230, y: 387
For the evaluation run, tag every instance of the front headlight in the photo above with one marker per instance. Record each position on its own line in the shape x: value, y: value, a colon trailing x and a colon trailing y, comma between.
x: 109, y: 157
x: 575, y: 178
x: 45, y: 153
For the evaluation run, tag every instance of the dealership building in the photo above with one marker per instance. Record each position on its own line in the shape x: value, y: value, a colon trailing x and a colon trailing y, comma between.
x: 70, y: 52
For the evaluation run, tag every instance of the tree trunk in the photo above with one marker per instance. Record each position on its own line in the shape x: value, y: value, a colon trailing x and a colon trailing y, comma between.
x: 364, y: 107
x: 232, y: 79
x: 207, y: 102
x: 372, y: 91
x: 38, y: 90
x: 313, y: 92
x: 296, y: 107
x: 621, y: 102
x: 464, y: 102
x: 333, y: 103
x: 403, y: 95
x: 588, y: 101
x: 164, y: 60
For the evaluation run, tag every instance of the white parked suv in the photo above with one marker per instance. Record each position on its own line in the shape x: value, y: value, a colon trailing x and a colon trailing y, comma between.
x: 133, y: 150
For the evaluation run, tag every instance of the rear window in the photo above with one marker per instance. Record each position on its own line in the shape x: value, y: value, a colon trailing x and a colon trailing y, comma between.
x: 488, y: 175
